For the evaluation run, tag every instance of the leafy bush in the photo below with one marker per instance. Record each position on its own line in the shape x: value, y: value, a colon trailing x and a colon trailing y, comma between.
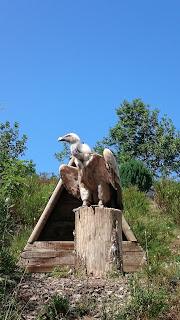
x: 167, y: 197
x: 134, y: 173
x: 13, y: 177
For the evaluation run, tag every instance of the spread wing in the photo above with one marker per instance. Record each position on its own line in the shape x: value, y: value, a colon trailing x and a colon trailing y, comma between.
x: 98, y: 169
x: 113, y: 170
x: 69, y: 175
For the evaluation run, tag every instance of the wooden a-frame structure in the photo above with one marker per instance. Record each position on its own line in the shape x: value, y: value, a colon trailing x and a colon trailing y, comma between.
x: 51, y: 243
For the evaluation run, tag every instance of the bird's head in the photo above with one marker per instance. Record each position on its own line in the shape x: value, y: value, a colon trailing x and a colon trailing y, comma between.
x: 70, y: 137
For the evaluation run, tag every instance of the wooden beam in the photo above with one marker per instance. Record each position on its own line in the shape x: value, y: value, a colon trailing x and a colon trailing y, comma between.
x: 48, y: 209
x: 127, y: 230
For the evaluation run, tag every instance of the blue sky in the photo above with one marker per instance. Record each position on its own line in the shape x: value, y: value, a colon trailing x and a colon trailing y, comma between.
x: 65, y: 66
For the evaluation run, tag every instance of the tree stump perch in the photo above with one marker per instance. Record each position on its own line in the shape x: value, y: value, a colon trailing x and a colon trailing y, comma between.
x: 98, y: 240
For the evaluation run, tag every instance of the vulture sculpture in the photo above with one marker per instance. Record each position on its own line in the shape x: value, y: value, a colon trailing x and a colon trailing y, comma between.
x: 92, y: 178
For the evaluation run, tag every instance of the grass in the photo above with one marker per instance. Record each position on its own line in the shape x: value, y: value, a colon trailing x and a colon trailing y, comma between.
x: 168, y: 197
x: 146, y: 302
x: 155, y: 292
x: 34, y: 199
x: 61, y: 272
x: 57, y: 308
x: 19, y: 241
x: 149, y: 224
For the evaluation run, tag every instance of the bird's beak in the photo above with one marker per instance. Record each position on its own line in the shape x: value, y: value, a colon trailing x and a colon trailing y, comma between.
x: 61, y: 139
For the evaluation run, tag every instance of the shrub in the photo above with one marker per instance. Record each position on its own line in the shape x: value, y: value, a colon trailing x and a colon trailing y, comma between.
x: 167, y: 197
x: 134, y: 173
x: 13, y: 177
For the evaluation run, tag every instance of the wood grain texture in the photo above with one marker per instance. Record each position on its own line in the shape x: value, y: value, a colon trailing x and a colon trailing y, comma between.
x: 129, y: 235
x: 94, y: 229
x: 39, y: 256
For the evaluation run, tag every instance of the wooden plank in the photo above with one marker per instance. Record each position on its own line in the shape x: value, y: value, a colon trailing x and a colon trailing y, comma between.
x: 128, y: 246
x: 48, y: 209
x: 132, y: 268
x: 127, y: 230
x: 49, y: 268
x: 55, y: 261
x: 45, y: 254
x: 134, y: 260
x: 42, y: 268
x: 54, y: 244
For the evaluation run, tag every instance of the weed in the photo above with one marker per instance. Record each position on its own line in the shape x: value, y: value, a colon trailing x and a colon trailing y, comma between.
x: 167, y: 197
x: 60, y: 272
x: 57, y: 308
x: 34, y: 199
x: 19, y: 240
x: 84, y: 307
x: 146, y: 302
x: 159, y: 228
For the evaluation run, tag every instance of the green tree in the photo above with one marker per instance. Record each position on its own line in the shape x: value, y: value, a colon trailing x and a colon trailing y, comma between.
x: 140, y: 134
x: 13, y: 171
x: 11, y: 146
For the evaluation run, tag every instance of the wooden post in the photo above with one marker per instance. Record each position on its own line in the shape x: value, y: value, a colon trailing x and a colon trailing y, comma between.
x: 98, y: 240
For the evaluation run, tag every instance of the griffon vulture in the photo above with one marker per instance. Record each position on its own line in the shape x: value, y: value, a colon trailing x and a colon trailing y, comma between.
x: 94, y: 178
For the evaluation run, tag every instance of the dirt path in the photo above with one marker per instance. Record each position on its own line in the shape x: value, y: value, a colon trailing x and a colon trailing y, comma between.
x: 98, y: 296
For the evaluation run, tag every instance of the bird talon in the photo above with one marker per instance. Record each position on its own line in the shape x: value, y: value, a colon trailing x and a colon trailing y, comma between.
x: 100, y: 204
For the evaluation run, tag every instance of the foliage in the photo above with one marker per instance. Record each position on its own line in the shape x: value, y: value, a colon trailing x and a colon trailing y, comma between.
x: 19, y: 241
x: 34, y: 198
x: 57, y: 308
x: 148, y: 224
x: 13, y: 171
x: 61, y: 272
x: 146, y: 302
x: 65, y: 153
x: 133, y: 172
x: 167, y: 197
x: 6, y: 222
x: 11, y: 146
x: 13, y: 178
x: 7, y: 262
x: 85, y: 306
x: 141, y: 135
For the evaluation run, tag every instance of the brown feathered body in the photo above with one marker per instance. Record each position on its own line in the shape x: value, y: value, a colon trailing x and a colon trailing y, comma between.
x: 96, y: 182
